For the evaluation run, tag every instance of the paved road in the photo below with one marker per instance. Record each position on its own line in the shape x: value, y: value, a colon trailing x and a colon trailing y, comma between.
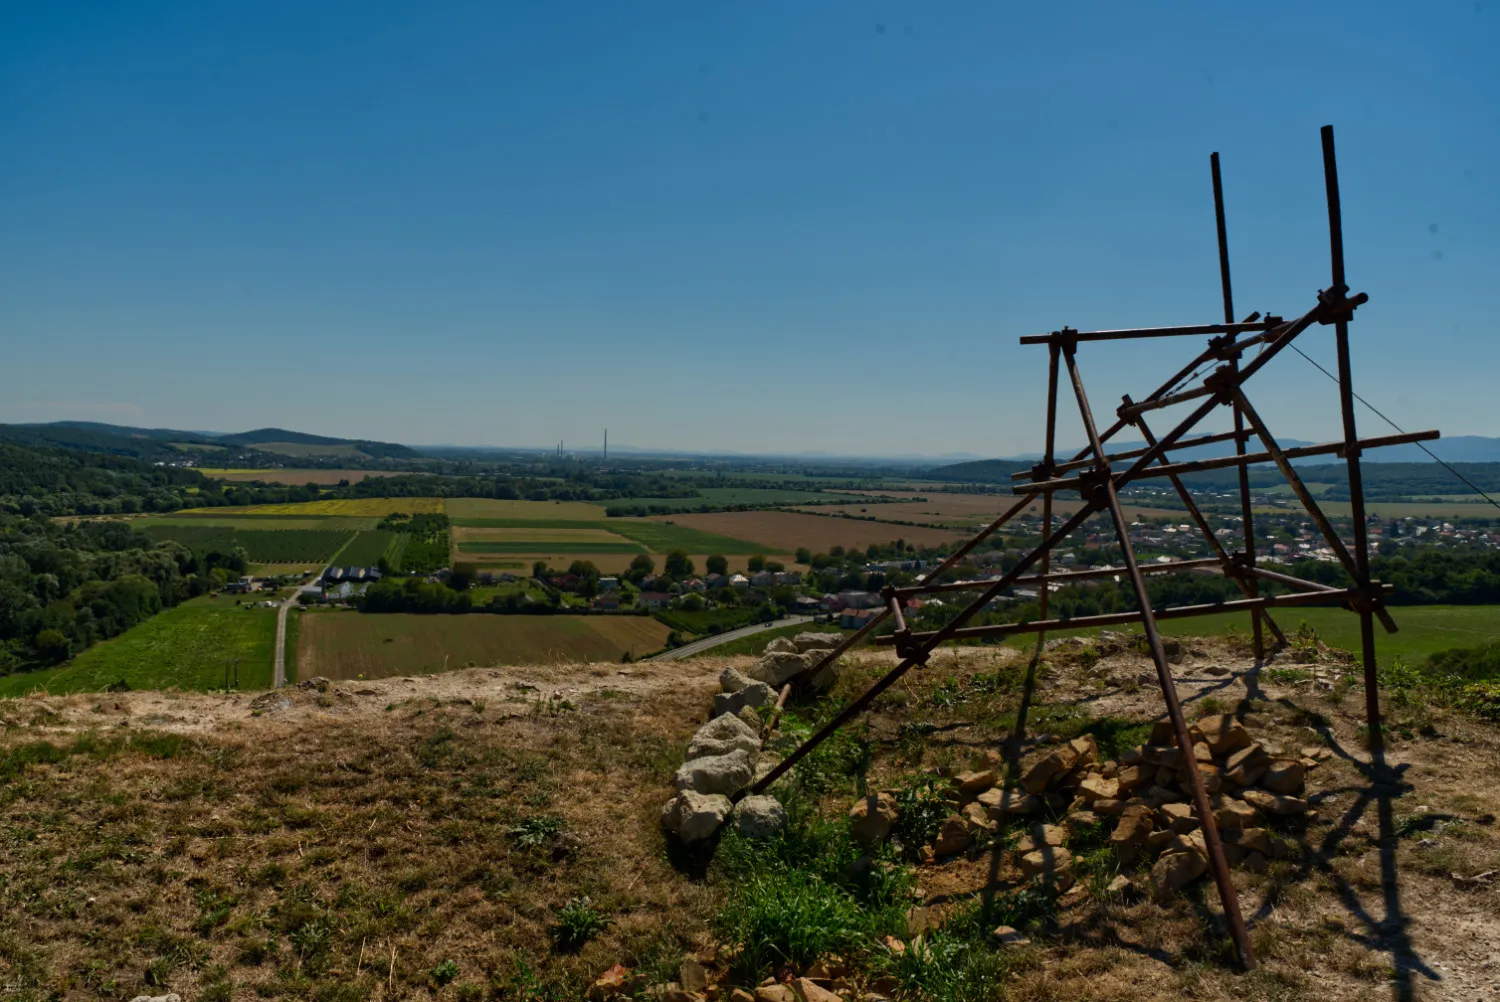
x: 699, y: 646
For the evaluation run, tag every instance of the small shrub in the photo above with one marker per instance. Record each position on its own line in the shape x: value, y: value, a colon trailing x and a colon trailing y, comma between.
x: 537, y: 831
x: 578, y: 921
x: 1481, y: 698
x: 444, y: 972
x: 789, y: 917
x: 922, y: 807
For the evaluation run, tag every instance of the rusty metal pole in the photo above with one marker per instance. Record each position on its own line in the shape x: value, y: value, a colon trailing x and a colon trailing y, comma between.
x: 1351, y: 436
x: 1047, y: 460
x: 1247, y: 517
x: 1216, y: 859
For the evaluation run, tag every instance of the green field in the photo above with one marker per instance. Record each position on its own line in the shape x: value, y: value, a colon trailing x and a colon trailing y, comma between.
x: 293, y: 631
x: 1425, y: 629
x: 366, y: 548
x: 261, y: 546
x: 184, y: 647
x: 664, y: 537
x: 347, y: 645
x: 528, y: 546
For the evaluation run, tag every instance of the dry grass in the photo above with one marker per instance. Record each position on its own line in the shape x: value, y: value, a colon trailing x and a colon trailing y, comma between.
x: 191, y: 842
x: 785, y: 531
x: 266, y: 862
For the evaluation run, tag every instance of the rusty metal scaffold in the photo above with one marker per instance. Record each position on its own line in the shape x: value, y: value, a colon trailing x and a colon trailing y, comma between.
x: 1098, y: 475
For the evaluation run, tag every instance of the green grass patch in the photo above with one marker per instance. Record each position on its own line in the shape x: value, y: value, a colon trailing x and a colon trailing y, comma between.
x: 261, y: 546
x: 184, y: 647
x: 664, y: 537
x: 709, y: 621
x: 366, y: 548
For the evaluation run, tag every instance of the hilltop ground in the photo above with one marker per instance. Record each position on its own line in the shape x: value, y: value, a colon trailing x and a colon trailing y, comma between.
x: 493, y: 833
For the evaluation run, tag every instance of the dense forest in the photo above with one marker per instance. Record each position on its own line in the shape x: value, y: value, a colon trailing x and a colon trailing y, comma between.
x: 66, y: 587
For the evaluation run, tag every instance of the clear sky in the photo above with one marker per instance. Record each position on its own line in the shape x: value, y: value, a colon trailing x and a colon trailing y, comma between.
x: 742, y: 226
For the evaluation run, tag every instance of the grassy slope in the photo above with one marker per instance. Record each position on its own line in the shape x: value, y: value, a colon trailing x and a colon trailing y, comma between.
x: 183, y: 647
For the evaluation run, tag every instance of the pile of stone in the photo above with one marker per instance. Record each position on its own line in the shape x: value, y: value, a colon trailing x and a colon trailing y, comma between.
x: 725, y: 756
x: 1146, y: 794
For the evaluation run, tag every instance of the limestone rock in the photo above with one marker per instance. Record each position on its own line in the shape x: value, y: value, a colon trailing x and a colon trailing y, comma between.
x: 1186, y: 842
x: 714, y: 738
x: 1007, y: 936
x: 1050, y: 862
x: 730, y: 680
x: 1001, y: 804
x: 775, y: 668
x: 1134, y: 777
x: 817, y: 641
x: 781, y: 645
x: 1080, y: 821
x: 1246, y: 765
x: 695, y: 816
x: 727, y: 774
x: 775, y: 993
x: 978, y: 818
x: 692, y: 976
x: 1162, y: 755
x: 725, y: 729
x: 1051, y: 766
x: 972, y: 784
x: 1232, y: 813
x: 1175, y: 871
x: 1120, y: 885
x: 1177, y: 817
x: 1087, y: 749
x: 1111, y: 808
x: 1162, y: 733
x: 1130, y: 834
x: 169, y: 997
x: 317, y: 682
x: 1285, y: 776
x: 1275, y: 803
x: 759, y: 816
x: 1223, y: 734
x: 808, y: 990
x: 1249, y: 839
x: 953, y: 837
x: 1255, y: 862
x: 751, y: 694
x: 750, y: 718
x: 871, y: 818
x: 1095, y: 787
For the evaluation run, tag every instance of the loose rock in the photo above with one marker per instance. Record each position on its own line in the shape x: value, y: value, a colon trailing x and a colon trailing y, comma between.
x: 871, y: 818
x: 954, y: 836
x: 1274, y: 803
x: 1175, y: 871
x: 759, y: 816
x: 1007, y: 936
x: 817, y: 641
x: 751, y: 694
x: 725, y: 774
x: 776, y: 667
x: 695, y: 816
x: 1285, y: 776
x: 781, y: 645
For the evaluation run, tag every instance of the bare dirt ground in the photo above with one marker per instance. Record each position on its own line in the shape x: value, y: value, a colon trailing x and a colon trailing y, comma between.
x: 296, y: 840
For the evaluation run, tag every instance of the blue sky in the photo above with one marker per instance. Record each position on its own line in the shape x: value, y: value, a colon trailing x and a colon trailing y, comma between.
x: 753, y: 227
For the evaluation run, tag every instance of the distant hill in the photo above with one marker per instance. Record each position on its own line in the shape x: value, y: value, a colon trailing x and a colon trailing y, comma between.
x: 294, y: 443
x: 1458, y: 449
x: 160, y: 445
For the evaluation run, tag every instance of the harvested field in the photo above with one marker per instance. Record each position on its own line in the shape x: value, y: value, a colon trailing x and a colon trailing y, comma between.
x: 352, y: 645
x: 464, y: 508
x: 323, y: 478
x: 785, y: 531
x: 469, y: 534
x: 367, y: 507
x: 969, y: 511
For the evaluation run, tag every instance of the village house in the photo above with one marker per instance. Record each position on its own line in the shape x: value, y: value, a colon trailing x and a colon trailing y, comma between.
x: 653, y: 600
